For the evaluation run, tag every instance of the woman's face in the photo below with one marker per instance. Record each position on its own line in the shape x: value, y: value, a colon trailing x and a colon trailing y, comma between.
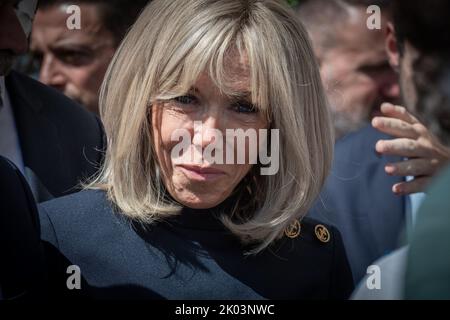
x: 191, y: 175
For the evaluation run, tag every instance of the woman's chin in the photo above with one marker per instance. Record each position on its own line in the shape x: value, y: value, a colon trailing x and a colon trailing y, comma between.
x: 200, y: 201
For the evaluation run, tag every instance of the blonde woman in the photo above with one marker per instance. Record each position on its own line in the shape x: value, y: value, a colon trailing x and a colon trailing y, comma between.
x: 160, y: 223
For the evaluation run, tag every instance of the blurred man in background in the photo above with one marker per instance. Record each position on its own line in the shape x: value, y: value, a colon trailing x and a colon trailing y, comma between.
x: 54, y: 142
x: 380, y: 171
x: 352, y: 59
x: 418, y: 45
x: 74, y: 61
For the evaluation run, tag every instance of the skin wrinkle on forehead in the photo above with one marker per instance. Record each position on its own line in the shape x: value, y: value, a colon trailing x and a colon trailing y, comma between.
x: 89, y: 30
x: 324, y: 30
x: 237, y: 75
x: 238, y: 79
x: 358, y: 24
x: 341, y: 31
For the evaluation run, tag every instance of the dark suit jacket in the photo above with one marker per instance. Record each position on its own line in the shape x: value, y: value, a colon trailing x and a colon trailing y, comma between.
x: 192, y: 256
x: 358, y: 200
x: 60, y: 141
x: 21, y: 254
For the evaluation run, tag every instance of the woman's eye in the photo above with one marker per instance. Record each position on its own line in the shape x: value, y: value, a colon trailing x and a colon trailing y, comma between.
x: 187, y: 99
x: 244, y: 107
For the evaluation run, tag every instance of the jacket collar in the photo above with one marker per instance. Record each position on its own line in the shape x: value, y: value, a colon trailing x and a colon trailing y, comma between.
x: 20, y: 94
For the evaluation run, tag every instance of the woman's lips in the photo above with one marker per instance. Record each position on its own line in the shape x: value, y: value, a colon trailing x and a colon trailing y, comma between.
x: 201, y: 173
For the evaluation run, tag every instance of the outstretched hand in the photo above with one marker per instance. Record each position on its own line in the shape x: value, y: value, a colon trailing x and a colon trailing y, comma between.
x: 425, y: 154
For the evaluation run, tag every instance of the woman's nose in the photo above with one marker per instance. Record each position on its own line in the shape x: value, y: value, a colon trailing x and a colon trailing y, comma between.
x: 205, y: 132
x: 50, y: 73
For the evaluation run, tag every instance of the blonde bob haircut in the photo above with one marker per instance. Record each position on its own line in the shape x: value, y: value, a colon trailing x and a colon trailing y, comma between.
x: 162, y: 56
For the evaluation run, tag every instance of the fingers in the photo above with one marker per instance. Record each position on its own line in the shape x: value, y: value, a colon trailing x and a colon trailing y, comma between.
x: 419, y: 184
x: 395, y: 127
x: 398, y: 122
x: 413, y: 167
x: 402, y: 147
x: 415, y: 142
x: 398, y: 112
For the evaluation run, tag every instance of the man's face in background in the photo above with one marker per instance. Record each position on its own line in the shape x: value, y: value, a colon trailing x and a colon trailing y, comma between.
x: 424, y: 83
x: 15, y: 25
x: 406, y: 70
x: 357, y: 75
x: 72, y: 61
x: 403, y: 57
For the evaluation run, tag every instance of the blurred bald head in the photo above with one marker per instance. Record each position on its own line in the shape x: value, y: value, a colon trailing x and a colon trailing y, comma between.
x: 352, y: 58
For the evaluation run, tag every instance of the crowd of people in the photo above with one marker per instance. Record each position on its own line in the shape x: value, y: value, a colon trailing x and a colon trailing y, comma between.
x: 94, y: 179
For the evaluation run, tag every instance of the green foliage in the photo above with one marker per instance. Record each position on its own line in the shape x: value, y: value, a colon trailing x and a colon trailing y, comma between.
x: 293, y: 2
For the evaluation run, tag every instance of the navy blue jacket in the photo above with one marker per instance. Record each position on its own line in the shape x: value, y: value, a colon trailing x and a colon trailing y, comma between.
x: 22, y: 270
x: 192, y: 256
x: 61, y: 142
x: 358, y: 200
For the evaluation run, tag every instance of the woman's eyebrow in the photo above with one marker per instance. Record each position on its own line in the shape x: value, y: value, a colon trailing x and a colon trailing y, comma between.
x: 194, y: 89
x: 245, y: 95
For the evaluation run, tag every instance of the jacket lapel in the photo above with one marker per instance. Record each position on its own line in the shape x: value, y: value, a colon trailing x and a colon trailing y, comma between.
x: 36, y: 132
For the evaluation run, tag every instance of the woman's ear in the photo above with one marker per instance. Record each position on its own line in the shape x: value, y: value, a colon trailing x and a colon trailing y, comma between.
x: 392, y: 47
